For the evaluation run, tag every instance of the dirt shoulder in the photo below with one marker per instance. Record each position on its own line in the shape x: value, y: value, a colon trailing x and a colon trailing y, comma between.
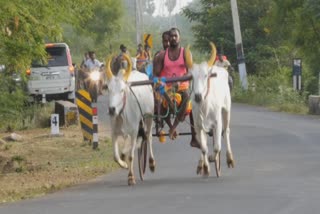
x: 39, y: 163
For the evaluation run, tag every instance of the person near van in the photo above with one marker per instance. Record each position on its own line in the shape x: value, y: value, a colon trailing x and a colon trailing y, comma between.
x: 81, y: 75
x: 85, y: 58
x: 93, y: 63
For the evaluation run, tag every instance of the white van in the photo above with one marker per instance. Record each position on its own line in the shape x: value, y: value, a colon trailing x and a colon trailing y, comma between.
x: 55, y: 79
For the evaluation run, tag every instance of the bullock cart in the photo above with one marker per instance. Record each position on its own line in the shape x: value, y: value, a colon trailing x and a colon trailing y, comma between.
x: 159, y: 118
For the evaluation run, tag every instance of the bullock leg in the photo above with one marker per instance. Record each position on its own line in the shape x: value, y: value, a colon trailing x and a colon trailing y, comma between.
x: 152, y: 162
x: 203, y: 165
x: 217, y: 136
x: 204, y: 153
x: 116, y: 155
x: 131, y: 178
x: 226, y: 122
x: 198, y: 137
x: 194, y: 142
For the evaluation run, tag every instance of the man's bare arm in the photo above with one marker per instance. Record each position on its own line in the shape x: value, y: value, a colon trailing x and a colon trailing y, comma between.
x: 158, y: 64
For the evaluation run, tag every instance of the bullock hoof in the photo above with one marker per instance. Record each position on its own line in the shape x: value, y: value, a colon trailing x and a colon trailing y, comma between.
x: 121, y: 163
x: 206, y: 171
x: 195, y: 143
x: 124, y: 165
x: 230, y: 161
x: 152, y: 164
x: 230, y: 164
x: 131, y: 180
x: 211, y: 159
x: 199, y: 170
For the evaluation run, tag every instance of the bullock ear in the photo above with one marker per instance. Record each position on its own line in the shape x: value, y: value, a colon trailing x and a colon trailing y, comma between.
x: 213, y: 55
x: 108, y: 68
x: 188, y: 57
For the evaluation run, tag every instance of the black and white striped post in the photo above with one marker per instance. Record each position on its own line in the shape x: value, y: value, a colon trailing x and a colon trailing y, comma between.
x: 95, y: 137
x: 88, y: 114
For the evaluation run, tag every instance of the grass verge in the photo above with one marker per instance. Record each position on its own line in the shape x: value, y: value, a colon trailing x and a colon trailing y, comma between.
x: 40, y: 164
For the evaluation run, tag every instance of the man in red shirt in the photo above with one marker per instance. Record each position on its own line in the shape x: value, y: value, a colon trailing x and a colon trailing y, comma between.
x: 172, y: 63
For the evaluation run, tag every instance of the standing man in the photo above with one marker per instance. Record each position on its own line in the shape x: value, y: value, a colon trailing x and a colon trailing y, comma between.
x: 92, y: 62
x: 172, y: 63
x: 224, y: 62
x: 120, y: 59
x: 142, y: 57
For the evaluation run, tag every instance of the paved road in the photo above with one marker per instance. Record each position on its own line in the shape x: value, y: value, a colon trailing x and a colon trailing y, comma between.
x: 277, y: 171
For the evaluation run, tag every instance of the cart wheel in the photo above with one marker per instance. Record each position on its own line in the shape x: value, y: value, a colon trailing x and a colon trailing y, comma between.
x: 217, y: 164
x: 142, y: 158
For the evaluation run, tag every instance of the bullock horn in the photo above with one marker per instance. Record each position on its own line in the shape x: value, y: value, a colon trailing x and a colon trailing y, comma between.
x: 213, y: 54
x: 129, y: 68
x: 108, y: 68
x: 188, y: 57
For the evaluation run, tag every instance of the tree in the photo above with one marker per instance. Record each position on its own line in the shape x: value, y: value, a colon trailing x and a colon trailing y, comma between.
x: 213, y: 22
x: 171, y: 4
x: 296, y: 24
x: 25, y: 26
x: 149, y: 7
x: 104, y: 24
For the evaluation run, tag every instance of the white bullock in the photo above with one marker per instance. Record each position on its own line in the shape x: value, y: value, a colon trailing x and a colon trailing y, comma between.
x: 211, y: 108
x: 130, y: 110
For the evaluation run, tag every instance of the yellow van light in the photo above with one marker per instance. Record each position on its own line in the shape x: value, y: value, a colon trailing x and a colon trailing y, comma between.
x: 49, y: 45
x: 71, y: 69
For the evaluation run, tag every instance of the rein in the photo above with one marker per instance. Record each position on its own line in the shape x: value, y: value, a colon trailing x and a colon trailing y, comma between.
x: 136, y: 100
x: 208, y: 88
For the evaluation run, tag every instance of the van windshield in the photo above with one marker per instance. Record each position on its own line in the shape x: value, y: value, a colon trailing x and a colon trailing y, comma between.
x: 57, y: 56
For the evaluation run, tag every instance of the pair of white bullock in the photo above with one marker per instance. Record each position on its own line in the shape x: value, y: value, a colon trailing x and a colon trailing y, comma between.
x: 131, y: 106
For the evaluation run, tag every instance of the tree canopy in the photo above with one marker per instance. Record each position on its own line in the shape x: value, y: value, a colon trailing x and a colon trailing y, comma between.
x: 25, y: 25
x: 273, y: 32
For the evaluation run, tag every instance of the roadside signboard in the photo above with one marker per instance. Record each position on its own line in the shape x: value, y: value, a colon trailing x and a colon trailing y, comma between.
x: 54, y: 124
x: 147, y: 39
x: 296, y: 73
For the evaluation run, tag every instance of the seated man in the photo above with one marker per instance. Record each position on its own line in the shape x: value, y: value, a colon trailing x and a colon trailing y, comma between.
x: 172, y: 63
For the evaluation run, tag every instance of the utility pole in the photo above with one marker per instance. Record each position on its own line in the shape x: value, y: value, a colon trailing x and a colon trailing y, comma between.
x: 139, y: 20
x: 239, y: 46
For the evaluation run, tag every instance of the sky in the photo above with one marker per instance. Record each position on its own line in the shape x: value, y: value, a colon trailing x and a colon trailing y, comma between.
x: 161, y: 10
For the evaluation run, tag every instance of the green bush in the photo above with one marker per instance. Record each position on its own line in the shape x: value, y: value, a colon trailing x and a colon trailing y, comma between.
x: 272, y: 90
x: 16, y: 112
